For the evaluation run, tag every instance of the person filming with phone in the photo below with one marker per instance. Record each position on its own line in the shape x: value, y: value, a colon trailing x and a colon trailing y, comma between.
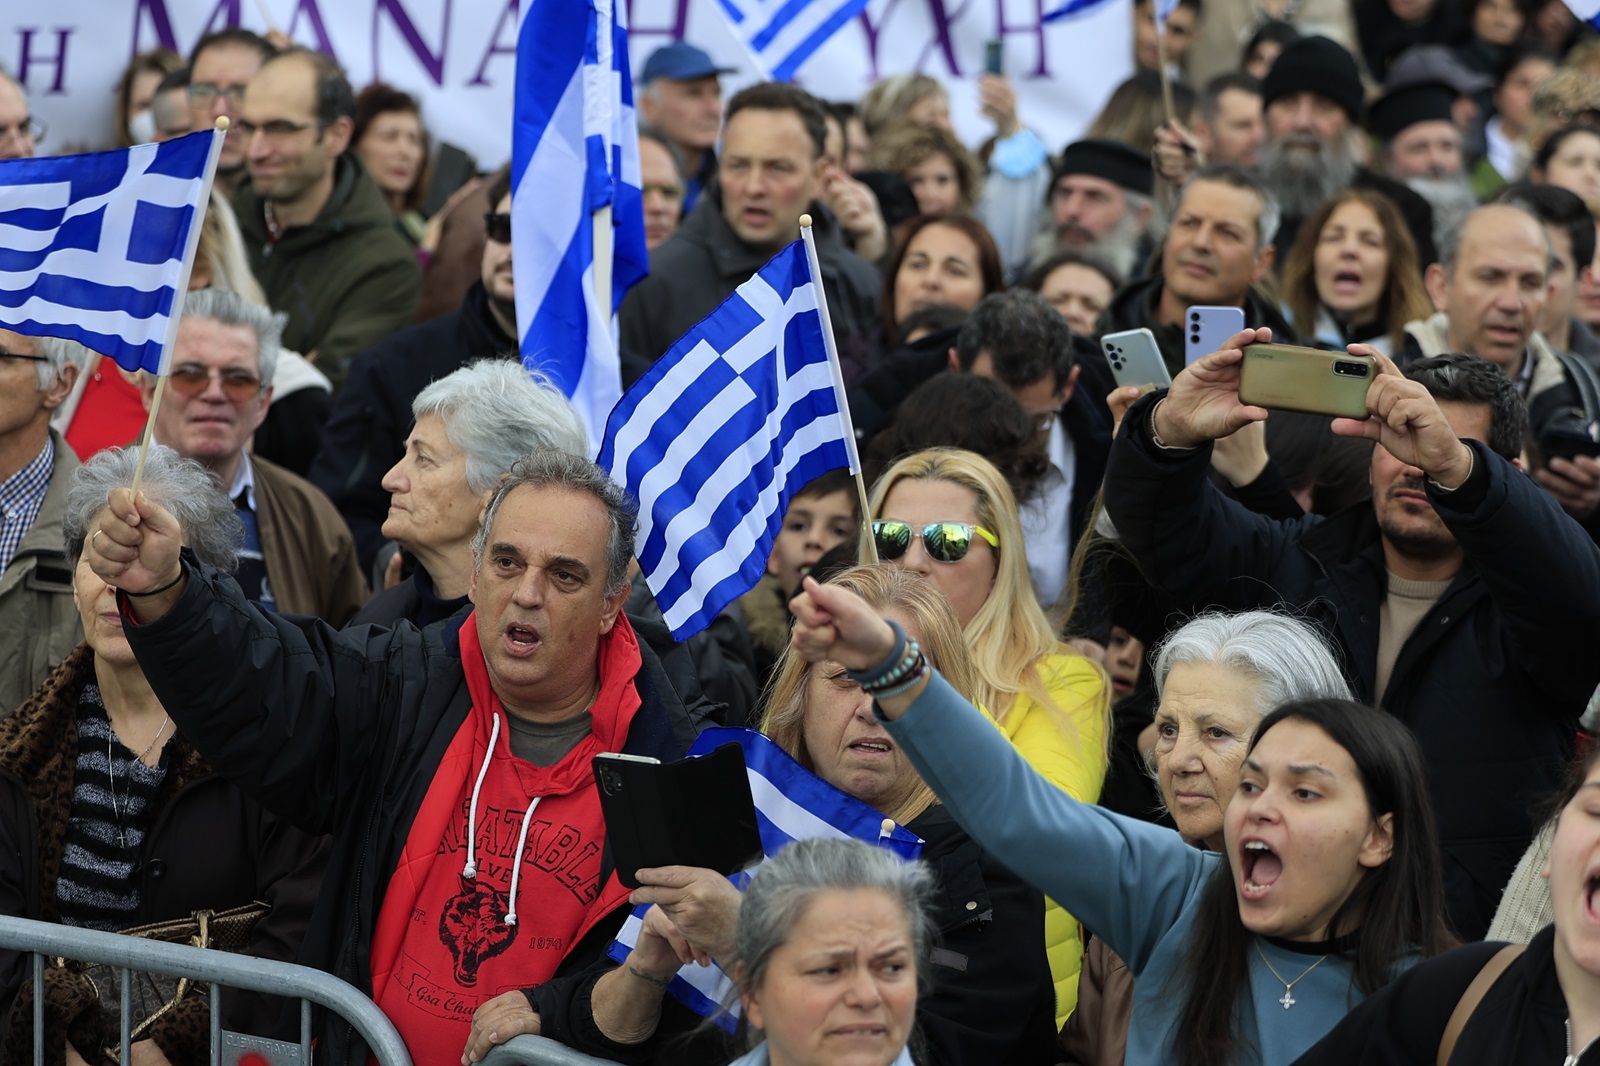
x: 1463, y: 599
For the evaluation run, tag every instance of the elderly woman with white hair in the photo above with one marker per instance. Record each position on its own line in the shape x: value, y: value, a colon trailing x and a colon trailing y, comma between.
x: 1215, y: 677
x: 110, y: 820
x: 471, y: 427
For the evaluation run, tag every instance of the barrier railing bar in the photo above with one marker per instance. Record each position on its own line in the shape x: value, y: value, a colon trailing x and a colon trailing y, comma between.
x: 305, y: 1033
x: 541, y: 1051
x: 125, y: 1023
x: 215, y: 996
x: 214, y: 967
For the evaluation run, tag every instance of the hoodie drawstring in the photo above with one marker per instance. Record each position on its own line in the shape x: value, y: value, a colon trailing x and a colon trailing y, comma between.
x: 516, y: 867
x: 470, y: 870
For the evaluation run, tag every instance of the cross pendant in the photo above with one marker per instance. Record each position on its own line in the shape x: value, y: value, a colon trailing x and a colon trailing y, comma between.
x: 1288, y: 999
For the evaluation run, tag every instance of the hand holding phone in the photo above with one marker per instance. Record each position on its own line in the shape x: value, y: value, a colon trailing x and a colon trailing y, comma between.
x: 1290, y: 378
x: 1203, y: 403
x: 1404, y: 418
x: 1136, y: 359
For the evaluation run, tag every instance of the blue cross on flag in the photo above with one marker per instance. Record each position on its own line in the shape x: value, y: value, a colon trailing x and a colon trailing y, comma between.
x: 96, y: 248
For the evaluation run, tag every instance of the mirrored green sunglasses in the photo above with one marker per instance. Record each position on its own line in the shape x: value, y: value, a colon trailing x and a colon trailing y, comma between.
x: 945, y: 542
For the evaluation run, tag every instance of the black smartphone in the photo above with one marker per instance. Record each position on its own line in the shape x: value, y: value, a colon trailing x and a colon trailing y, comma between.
x: 994, y: 56
x: 1568, y: 445
x: 693, y: 812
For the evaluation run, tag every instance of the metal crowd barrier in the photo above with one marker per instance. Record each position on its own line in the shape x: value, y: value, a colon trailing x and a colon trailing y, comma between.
x: 219, y: 968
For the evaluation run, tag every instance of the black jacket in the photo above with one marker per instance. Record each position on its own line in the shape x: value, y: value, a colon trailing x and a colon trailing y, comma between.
x: 705, y: 261
x: 1135, y: 305
x: 341, y: 732
x: 1491, y: 682
x: 1522, y: 1017
x: 366, y: 431
x: 990, y: 1001
x: 210, y: 848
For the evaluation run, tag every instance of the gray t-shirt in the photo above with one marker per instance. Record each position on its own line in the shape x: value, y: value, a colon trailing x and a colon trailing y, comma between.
x: 547, y: 743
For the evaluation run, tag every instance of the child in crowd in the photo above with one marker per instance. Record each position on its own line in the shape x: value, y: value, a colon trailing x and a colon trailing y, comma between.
x: 821, y: 516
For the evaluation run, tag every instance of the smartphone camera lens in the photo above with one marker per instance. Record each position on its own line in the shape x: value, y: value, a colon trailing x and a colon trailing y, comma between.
x: 1194, y: 316
x: 1349, y: 369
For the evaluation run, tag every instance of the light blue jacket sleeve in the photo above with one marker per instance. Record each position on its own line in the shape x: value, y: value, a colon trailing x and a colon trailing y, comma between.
x: 1128, y: 881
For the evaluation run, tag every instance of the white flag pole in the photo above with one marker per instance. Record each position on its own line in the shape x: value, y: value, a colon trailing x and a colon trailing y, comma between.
x: 1161, y: 59
x: 219, y: 133
x: 869, y: 549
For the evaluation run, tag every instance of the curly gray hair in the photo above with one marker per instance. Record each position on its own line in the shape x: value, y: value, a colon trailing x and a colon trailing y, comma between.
x: 496, y: 411
x: 210, y: 522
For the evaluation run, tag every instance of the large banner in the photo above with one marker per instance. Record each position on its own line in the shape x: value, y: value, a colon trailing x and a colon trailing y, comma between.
x: 458, y: 56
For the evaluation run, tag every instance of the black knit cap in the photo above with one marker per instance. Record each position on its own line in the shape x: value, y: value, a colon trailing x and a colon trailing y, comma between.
x: 1316, y: 65
x: 1400, y: 108
x: 1114, y: 161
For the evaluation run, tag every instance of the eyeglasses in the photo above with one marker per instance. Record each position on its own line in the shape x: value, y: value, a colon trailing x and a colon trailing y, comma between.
x: 945, y: 542
x: 21, y: 355
x: 497, y: 226
x: 204, y: 94
x: 191, y: 379
x: 29, y: 129
x: 276, y: 129
x: 671, y: 192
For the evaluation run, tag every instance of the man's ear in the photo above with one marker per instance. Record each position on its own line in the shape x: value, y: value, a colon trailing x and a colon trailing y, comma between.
x: 613, y: 607
x: 338, y: 135
x: 955, y: 361
x: 1264, y: 260
x: 1072, y: 383
x: 57, y: 394
x: 1437, y: 283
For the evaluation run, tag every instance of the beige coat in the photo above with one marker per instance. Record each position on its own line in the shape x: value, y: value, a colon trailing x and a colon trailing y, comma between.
x: 39, y: 625
x: 308, y: 551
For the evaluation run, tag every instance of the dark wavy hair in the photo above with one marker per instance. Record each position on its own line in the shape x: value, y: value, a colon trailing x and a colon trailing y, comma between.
x: 1398, y: 907
x: 971, y: 412
x: 381, y: 99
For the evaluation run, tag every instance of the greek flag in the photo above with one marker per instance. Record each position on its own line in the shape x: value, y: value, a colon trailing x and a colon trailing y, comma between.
x: 1586, y: 10
x: 782, y: 34
x: 792, y: 804
x: 712, y: 441
x: 575, y: 152
x: 96, y: 248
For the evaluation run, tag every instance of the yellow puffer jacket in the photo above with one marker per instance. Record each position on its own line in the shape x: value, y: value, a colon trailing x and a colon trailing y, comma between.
x: 1076, y: 763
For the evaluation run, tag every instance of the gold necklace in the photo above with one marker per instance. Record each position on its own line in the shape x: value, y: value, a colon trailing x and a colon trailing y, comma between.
x: 1288, y: 999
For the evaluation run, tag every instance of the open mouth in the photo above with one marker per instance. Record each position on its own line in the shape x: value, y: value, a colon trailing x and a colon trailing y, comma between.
x: 1591, y: 898
x: 521, y: 637
x: 1347, y: 281
x: 1260, y: 868
x: 872, y: 747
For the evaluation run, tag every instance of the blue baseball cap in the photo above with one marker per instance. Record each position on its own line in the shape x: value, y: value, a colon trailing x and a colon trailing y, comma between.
x: 680, y: 61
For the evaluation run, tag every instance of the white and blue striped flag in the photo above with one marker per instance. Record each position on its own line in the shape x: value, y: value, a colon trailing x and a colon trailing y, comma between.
x: 782, y: 34
x: 97, y: 248
x: 1588, y: 11
x: 792, y: 804
x: 717, y: 435
x: 574, y: 152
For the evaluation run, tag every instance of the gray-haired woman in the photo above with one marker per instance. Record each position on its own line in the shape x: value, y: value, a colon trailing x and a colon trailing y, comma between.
x: 831, y: 937
x: 111, y: 820
x: 471, y: 427
x: 1215, y: 677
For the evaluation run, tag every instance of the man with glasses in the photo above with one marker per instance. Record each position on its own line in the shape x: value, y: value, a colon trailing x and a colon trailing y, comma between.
x: 220, y: 66
x: 298, y: 557
x: 20, y: 132
x: 319, y: 233
x: 38, y: 623
x: 366, y: 430
x: 1019, y: 340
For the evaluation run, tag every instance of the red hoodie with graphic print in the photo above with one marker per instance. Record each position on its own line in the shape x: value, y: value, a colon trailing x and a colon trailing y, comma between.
x: 500, y: 874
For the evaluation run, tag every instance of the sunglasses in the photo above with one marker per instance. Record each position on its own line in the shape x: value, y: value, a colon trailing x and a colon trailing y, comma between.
x: 497, y: 225
x: 191, y: 379
x: 945, y: 542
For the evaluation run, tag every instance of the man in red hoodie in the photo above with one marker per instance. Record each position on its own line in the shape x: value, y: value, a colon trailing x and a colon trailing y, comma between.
x: 452, y: 764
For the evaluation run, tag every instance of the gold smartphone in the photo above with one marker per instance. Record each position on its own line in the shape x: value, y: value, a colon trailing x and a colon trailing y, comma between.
x: 1290, y: 378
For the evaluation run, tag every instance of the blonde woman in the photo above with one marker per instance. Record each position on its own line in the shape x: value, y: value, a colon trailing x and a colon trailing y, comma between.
x: 949, y: 515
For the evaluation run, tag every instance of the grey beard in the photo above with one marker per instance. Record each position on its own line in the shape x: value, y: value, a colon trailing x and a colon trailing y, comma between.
x: 1451, y: 198
x: 1304, y: 181
x: 1119, y: 248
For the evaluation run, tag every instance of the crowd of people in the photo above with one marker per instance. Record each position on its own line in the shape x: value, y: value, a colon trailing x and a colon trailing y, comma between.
x: 1232, y: 736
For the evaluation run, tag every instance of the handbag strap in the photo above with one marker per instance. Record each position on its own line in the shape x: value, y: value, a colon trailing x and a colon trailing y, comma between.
x: 1473, y: 996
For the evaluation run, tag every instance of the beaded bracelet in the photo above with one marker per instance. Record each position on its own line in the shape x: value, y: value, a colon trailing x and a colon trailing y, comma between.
x: 918, y: 672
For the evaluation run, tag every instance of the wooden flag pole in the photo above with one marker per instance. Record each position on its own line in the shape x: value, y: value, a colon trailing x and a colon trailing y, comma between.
x: 218, y: 134
x: 1161, y: 60
x: 869, y: 548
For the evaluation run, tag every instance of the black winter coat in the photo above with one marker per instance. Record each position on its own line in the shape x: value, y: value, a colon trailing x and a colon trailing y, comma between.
x: 1492, y: 680
x: 366, y: 431
x: 1522, y: 1017
x: 990, y: 1001
x: 341, y: 732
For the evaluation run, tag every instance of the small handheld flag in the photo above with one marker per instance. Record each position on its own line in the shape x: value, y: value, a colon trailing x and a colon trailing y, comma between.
x: 97, y: 248
x: 792, y: 804
x: 717, y: 436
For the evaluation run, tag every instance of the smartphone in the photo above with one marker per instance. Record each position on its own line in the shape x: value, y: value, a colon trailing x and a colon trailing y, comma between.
x: 1567, y: 445
x: 693, y: 812
x: 1291, y: 378
x: 1135, y: 359
x: 1207, y: 329
x: 994, y: 56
